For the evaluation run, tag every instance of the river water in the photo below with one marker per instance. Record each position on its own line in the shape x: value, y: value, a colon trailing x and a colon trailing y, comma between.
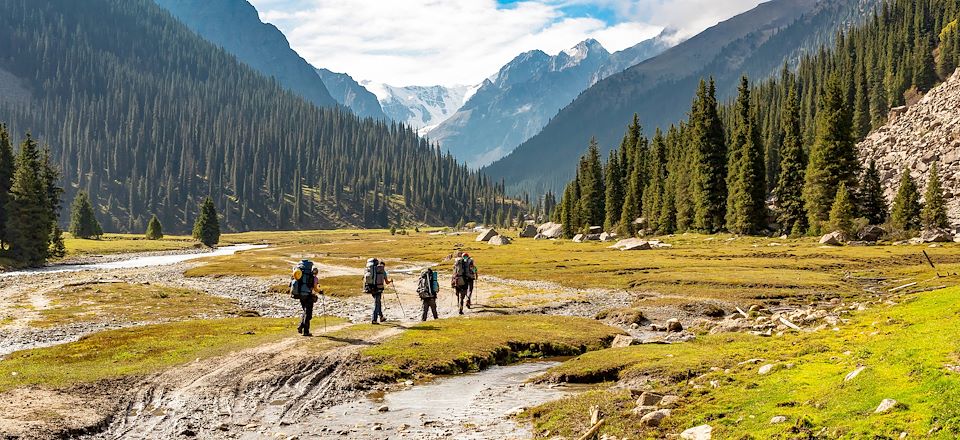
x: 136, y: 262
x: 470, y: 406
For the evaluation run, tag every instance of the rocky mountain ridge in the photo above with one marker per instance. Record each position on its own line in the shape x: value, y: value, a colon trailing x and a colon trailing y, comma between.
x: 915, y: 138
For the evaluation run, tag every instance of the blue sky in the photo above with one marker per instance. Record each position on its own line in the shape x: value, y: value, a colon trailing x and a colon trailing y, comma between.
x: 449, y: 42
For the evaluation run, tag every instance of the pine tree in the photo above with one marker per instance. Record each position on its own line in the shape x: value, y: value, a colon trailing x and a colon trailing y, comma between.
x: 28, y: 221
x: 207, y: 228
x: 793, y: 163
x: 155, y: 229
x: 905, y: 215
x: 842, y: 212
x: 615, y: 192
x: 746, y: 209
x: 872, y: 204
x: 833, y: 158
x: 924, y: 76
x: 592, y: 191
x: 6, y: 179
x: 631, y: 207
x: 83, y: 220
x: 946, y: 62
x: 708, y: 190
x: 56, y: 248
x: 934, y: 214
x: 861, y: 107
x: 653, y: 194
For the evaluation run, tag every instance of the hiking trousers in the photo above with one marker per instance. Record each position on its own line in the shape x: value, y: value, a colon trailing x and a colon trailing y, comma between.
x: 469, y: 291
x: 428, y: 305
x: 378, y: 306
x: 462, y: 293
x: 307, y: 305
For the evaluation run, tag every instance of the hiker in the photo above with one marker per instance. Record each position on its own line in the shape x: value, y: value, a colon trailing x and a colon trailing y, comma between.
x: 304, y: 287
x: 375, y: 279
x: 461, y: 279
x: 428, y: 288
x: 471, y: 276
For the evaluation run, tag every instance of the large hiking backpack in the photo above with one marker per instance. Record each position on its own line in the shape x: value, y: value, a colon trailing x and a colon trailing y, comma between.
x: 427, y: 286
x: 460, y: 269
x: 373, y: 276
x: 303, y: 280
x: 469, y: 268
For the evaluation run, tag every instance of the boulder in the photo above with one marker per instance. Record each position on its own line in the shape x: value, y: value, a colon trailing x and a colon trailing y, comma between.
x: 621, y: 341
x: 766, y: 369
x: 529, y: 231
x: 654, y: 418
x: 591, y: 237
x: 578, y: 238
x: 607, y: 236
x: 777, y: 420
x: 673, y: 325
x: 669, y: 401
x: 853, y: 374
x: 702, y: 432
x: 595, y: 230
x: 487, y: 234
x: 649, y: 399
x: 886, y: 405
x: 550, y: 230
x: 835, y: 238
x: 642, y: 246
x: 937, y: 235
x: 500, y: 240
x: 871, y: 233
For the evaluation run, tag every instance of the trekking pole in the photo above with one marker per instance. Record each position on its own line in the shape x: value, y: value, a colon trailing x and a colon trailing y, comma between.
x: 398, y: 300
x: 323, y: 299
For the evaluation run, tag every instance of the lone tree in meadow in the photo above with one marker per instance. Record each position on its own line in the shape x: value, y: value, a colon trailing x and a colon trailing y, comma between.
x: 154, y: 229
x: 934, y: 214
x: 207, y: 228
x: 842, y: 212
x: 83, y: 221
x: 905, y: 215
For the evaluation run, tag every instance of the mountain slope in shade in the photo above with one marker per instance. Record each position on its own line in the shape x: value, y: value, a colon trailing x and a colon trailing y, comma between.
x: 420, y: 107
x: 521, y: 98
x: 235, y: 26
x: 660, y: 89
x: 350, y: 93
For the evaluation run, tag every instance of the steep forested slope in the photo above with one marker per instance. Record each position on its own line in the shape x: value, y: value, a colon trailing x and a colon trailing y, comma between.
x: 660, y: 89
x: 149, y: 118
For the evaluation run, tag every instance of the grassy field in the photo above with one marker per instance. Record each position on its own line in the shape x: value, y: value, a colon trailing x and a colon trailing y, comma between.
x: 124, y: 243
x: 140, y: 350
x: 467, y: 344
x: 908, y: 351
x: 123, y: 302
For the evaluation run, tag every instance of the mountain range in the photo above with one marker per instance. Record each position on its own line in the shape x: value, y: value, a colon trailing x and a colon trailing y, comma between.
x: 515, y: 103
x: 756, y: 43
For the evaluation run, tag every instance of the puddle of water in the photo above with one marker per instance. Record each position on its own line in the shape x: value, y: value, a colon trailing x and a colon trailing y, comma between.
x: 132, y: 263
x: 471, y: 406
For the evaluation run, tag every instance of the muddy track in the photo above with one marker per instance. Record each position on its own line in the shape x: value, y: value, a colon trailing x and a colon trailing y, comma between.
x: 254, y: 392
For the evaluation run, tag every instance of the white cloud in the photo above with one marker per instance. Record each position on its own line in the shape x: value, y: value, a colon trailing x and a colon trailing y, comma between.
x: 425, y: 42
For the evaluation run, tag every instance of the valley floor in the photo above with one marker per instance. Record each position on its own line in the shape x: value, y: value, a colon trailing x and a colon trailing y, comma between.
x: 207, y: 347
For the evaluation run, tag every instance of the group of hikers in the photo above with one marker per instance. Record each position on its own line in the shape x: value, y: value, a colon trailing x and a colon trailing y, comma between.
x: 305, y: 287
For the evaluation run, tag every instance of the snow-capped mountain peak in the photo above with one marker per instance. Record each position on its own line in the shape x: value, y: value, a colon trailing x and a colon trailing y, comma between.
x: 420, y: 107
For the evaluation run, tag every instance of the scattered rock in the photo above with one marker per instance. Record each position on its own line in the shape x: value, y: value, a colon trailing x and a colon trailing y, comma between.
x: 621, y: 341
x: 673, y: 325
x: 853, y: 374
x: 835, y: 238
x: 550, y: 230
x: 654, y: 418
x: 529, y: 231
x: 500, y: 240
x: 767, y: 369
x: 777, y: 420
x: 669, y: 401
x: 702, y: 432
x: 383, y: 408
x: 487, y: 234
x: 871, y: 233
x: 886, y: 405
x: 595, y: 230
x: 578, y: 238
x: 607, y: 236
x: 649, y: 399
x: 936, y: 236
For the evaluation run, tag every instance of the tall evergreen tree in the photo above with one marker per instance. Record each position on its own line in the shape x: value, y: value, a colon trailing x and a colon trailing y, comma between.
x: 155, y: 229
x: 614, y: 192
x: 842, y: 212
x: 592, y: 191
x: 653, y: 194
x: 708, y: 190
x: 905, y: 215
x: 924, y: 75
x: 83, y: 219
x: 872, y: 204
x: 207, y: 228
x: 934, y: 214
x: 793, y: 164
x: 746, y: 201
x: 28, y: 219
x: 631, y: 207
x: 833, y: 158
x: 6, y: 179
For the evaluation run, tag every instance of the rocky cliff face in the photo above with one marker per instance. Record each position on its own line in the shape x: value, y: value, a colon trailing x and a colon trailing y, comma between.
x: 916, y: 138
x: 350, y: 93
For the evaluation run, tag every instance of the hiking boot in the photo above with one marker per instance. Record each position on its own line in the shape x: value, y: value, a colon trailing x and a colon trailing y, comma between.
x: 307, y: 334
x: 461, y: 312
x: 468, y: 303
x: 375, y: 323
x: 300, y: 329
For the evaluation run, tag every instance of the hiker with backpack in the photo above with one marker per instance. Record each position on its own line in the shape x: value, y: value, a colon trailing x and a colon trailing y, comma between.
x: 375, y: 279
x: 472, y: 275
x: 305, y: 286
x: 462, y: 280
x: 428, y: 288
